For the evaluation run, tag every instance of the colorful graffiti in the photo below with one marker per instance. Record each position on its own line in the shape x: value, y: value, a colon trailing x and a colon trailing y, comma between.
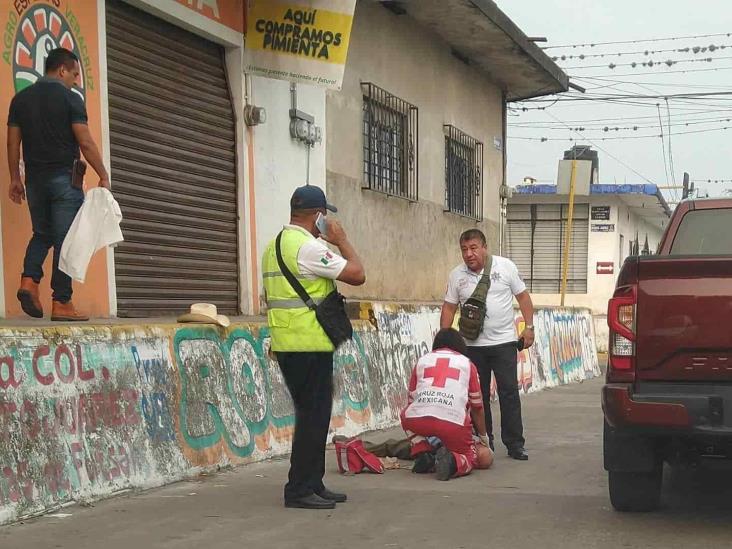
x: 89, y: 412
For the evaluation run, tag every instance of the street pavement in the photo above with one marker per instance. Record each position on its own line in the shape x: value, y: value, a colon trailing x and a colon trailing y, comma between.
x: 556, y: 499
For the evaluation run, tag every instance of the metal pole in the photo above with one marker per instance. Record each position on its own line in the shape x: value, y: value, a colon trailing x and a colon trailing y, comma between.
x: 568, y: 238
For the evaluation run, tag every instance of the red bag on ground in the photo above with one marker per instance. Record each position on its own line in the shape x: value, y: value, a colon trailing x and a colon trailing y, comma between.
x: 353, y: 458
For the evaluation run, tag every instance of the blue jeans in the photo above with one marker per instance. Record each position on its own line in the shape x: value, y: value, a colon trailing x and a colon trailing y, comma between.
x: 53, y: 204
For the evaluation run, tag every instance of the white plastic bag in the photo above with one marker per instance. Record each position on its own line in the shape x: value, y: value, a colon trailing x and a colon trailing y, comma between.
x: 95, y: 226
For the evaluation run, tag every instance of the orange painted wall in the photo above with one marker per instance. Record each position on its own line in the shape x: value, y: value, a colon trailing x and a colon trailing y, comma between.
x: 64, y: 20
x: 231, y: 12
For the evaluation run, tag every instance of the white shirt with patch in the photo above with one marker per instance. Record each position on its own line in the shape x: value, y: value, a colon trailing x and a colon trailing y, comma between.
x: 316, y: 260
x: 498, y: 327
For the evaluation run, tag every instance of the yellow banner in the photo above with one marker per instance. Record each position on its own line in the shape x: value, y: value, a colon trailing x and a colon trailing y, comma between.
x: 297, y: 42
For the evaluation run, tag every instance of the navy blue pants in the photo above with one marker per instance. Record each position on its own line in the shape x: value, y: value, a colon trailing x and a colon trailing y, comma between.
x: 309, y: 377
x: 53, y: 205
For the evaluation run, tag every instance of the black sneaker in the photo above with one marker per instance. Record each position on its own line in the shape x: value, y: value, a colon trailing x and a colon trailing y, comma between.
x: 424, y: 462
x: 445, y: 465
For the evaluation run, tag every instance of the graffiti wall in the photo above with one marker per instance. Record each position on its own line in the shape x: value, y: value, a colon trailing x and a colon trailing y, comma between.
x: 87, y: 412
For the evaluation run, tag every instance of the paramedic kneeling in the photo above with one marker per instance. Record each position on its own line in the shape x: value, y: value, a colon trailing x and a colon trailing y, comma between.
x: 443, y: 388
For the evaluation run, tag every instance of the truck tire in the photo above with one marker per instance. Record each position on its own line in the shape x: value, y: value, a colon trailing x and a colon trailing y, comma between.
x: 635, y: 492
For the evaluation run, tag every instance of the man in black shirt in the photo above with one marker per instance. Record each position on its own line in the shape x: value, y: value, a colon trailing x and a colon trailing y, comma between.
x: 50, y: 120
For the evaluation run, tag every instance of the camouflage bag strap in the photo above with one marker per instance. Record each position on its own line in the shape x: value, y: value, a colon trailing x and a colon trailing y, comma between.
x: 484, y: 285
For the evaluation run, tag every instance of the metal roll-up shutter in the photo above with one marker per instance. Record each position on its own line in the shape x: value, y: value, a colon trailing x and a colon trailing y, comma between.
x: 173, y: 151
x: 518, y: 238
x: 577, y: 272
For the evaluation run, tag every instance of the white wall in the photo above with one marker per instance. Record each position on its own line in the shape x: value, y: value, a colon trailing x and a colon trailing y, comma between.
x: 280, y: 162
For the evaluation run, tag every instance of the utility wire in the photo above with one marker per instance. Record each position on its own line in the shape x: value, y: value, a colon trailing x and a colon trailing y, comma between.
x: 632, y: 96
x: 608, y: 128
x: 654, y: 72
x: 670, y: 38
x: 670, y: 152
x: 646, y: 53
x: 650, y: 63
x: 663, y: 144
x: 626, y: 137
x: 603, y: 150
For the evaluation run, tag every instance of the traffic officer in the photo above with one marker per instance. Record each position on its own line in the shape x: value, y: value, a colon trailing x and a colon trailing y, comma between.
x: 303, y: 350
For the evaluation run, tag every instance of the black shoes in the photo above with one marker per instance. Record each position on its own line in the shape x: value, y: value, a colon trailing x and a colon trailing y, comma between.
x: 445, y: 465
x: 424, y: 462
x: 313, y: 501
x: 324, y: 500
x: 518, y: 453
x: 333, y: 496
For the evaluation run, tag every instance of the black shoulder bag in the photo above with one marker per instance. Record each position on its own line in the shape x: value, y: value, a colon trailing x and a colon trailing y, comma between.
x: 472, y: 313
x: 330, y: 313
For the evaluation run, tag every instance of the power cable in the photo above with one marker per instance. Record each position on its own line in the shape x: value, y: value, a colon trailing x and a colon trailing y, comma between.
x: 689, y: 49
x: 658, y: 72
x: 604, y: 150
x: 650, y: 63
x: 626, y: 137
x: 663, y: 144
x: 639, y: 41
x: 611, y: 97
x: 670, y: 152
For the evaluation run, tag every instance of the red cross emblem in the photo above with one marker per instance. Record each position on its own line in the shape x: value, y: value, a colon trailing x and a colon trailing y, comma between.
x: 441, y: 372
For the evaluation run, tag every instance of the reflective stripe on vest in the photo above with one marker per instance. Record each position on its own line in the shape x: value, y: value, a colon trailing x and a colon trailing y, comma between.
x: 290, y: 303
x: 293, y: 326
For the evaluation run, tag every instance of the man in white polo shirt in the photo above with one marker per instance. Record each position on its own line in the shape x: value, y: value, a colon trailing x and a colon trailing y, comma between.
x: 494, y: 350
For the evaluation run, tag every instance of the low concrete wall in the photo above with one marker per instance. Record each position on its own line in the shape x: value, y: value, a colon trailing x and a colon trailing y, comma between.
x: 86, y: 412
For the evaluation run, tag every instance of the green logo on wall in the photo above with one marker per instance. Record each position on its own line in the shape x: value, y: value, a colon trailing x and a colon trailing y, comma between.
x: 41, y: 29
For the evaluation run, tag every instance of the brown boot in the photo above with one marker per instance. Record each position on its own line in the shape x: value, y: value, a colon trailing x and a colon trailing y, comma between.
x: 66, y: 312
x: 29, y: 299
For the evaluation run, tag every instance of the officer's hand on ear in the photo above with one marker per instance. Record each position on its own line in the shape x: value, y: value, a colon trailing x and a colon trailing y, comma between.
x: 335, y: 233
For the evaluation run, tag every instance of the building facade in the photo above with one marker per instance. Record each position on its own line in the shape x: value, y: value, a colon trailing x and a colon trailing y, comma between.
x: 609, y: 223
x: 202, y: 189
x: 416, y: 137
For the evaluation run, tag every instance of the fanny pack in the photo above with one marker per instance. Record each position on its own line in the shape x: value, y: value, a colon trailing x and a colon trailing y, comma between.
x: 472, y: 312
x: 330, y: 313
x: 353, y: 458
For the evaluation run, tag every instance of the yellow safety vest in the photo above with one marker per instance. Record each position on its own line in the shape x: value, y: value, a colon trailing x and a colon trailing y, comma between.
x: 293, y: 326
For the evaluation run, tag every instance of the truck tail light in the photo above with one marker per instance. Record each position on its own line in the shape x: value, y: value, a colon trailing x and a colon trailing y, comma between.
x: 621, y: 320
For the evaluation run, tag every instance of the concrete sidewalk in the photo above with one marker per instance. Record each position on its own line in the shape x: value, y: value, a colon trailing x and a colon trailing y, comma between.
x: 556, y: 499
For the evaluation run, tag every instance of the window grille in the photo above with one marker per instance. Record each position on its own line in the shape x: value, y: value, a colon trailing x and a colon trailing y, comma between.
x: 390, y: 149
x: 463, y: 174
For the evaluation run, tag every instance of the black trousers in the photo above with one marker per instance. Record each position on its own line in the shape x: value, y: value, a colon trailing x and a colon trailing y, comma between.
x: 309, y: 377
x: 502, y: 361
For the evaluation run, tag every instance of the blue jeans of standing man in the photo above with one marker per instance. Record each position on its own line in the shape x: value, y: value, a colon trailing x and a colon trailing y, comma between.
x: 53, y: 205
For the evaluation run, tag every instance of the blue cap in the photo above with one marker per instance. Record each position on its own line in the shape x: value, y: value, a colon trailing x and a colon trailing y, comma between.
x: 310, y: 197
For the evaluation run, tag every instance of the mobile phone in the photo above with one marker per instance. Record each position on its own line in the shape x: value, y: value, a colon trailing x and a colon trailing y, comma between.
x: 321, y: 224
x: 520, y: 344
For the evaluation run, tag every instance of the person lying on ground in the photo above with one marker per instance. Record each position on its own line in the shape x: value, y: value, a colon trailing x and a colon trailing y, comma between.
x: 444, y: 402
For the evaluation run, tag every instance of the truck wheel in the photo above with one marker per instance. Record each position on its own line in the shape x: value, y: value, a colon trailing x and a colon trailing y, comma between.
x: 635, y: 492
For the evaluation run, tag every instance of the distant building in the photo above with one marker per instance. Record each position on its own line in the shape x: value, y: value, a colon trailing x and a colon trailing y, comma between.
x: 610, y: 222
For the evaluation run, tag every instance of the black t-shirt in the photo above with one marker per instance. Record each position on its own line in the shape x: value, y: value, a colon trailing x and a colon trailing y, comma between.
x: 44, y: 112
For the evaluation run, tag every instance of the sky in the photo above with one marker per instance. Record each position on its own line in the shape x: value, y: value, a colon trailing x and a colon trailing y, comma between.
x: 705, y: 155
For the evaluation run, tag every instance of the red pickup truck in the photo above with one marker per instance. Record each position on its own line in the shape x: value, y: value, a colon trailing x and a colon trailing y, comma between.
x: 668, y: 395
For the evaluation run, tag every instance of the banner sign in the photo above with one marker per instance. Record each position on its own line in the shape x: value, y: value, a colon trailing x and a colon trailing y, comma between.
x: 304, y: 42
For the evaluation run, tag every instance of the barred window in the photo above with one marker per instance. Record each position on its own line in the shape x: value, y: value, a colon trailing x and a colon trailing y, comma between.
x: 389, y: 143
x: 463, y: 174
